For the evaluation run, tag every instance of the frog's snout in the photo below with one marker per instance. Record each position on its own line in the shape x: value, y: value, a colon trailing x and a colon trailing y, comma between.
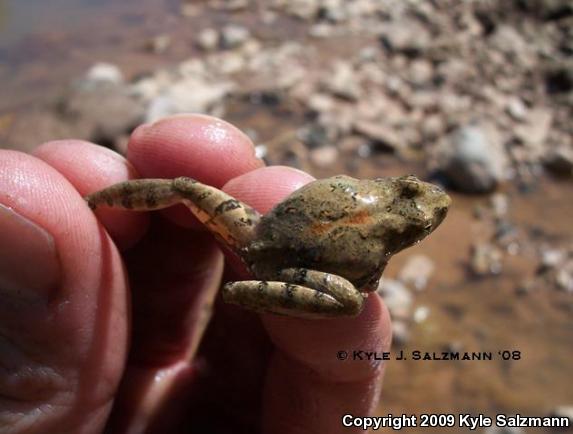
x: 439, y: 215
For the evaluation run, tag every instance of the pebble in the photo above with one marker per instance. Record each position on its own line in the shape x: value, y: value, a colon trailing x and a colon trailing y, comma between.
x: 208, y: 39
x: 534, y: 131
x: 159, y: 44
x: 233, y: 36
x: 563, y: 411
x: 486, y: 259
x: 342, y: 81
x: 400, y: 333
x: 421, y: 314
x: 407, y: 36
x: 191, y: 94
x: 417, y: 271
x: 499, y: 205
x: 517, y: 109
x: 103, y: 73
x: 473, y: 159
x: 323, y: 156
x: 504, y: 430
x: 383, y: 136
x: 397, y: 298
x: 559, y: 160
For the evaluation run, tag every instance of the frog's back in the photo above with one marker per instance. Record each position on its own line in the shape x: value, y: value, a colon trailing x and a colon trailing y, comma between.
x: 325, y: 225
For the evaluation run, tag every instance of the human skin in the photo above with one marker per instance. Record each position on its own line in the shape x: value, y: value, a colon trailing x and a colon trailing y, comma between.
x: 101, y: 315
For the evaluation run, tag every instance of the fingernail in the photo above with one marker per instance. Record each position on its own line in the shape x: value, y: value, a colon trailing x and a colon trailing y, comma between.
x: 29, y: 263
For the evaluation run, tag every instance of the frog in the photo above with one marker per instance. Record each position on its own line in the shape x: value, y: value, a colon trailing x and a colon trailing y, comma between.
x: 319, y: 253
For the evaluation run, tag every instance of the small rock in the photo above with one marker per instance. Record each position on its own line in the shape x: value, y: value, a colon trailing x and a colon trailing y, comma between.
x: 303, y: 9
x: 536, y: 128
x: 486, y: 259
x: 421, y: 314
x: 420, y: 72
x: 516, y: 109
x: 102, y: 73
x: 159, y: 44
x: 552, y: 258
x: 343, y: 81
x: 408, y: 37
x: 383, y: 136
x: 504, y: 430
x: 564, y: 411
x: 323, y: 156
x: 525, y: 287
x: 192, y: 94
x: 233, y: 36
x: 499, y: 205
x: 560, y: 160
x: 508, y: 40
x: 208, y: 39
x: 397, y: 298
x: 104, y: 112
x: 564, y: 279
x: 473, y: 159
x: 559, y: 77
x: 433, y: 126
x: 400, y: 333
x: 417, y: 271
x: 190, y: 10
x: 261, y: 151
x: 320, y: 102
x: 321, y: 30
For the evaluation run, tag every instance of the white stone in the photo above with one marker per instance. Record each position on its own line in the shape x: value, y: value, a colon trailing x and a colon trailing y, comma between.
x: 417, y: 271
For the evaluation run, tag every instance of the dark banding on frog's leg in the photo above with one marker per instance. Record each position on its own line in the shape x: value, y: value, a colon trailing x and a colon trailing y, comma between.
x: 282, y: 298
x: 231, y: 220
x: 336, y: 286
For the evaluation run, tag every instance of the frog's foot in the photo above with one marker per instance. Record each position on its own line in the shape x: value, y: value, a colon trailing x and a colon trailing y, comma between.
x: 228, y: 218
x: 323, y: 295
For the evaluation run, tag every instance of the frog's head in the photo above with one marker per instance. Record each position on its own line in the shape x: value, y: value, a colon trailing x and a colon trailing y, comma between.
x: 412, y: 210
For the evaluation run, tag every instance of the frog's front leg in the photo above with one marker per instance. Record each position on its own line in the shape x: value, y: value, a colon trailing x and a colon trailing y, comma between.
x: 303, y: 293
x: 231, y: 220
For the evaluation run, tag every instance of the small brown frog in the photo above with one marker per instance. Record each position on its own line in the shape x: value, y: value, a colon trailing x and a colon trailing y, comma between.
x: 316, y: 254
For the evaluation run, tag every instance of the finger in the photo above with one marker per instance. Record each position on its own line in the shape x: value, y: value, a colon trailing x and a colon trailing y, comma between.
x: 201, y: 147
x: 62, y: 304
x: 89, y: 167
x: 308, y: 383
x: 175, y: 273
x: 265, y: 187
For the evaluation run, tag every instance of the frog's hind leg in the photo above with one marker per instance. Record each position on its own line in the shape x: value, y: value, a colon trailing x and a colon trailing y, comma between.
x: 281, y: 298
x: 231, y: 220
x: 305, y: 293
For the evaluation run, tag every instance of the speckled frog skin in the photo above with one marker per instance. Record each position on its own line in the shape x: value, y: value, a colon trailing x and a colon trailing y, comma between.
x: 318, y: 252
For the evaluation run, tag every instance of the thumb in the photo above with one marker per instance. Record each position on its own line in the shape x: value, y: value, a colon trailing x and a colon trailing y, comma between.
x: 63, y: 331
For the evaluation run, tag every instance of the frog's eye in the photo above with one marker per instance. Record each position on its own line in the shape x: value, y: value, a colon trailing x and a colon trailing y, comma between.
x: 409, y: 189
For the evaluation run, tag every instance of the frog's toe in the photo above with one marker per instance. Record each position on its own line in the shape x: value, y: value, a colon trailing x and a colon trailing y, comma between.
x: 282, y: 298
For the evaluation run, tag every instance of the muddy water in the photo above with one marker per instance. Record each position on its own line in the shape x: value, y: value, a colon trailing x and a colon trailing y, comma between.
x: 488, y: 315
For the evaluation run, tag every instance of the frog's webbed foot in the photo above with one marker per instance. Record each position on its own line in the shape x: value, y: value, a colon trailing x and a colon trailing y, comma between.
x: 304, y: 293
x: 231, y: 220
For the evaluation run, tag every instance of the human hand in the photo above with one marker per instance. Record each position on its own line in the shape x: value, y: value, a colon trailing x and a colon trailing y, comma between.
x: 81, y: 351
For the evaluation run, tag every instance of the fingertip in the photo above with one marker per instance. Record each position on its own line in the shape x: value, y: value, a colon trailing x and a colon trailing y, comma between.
x: 89, y: 168
x: 316, y: 343
x: 263, y: 188
x: 202, y: 147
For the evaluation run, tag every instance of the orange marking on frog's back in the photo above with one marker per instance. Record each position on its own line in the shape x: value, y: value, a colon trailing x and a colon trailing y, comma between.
x: 359, y: 218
